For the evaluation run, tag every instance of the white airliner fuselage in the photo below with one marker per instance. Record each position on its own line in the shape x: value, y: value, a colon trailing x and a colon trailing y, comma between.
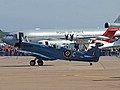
x: 48, y: 34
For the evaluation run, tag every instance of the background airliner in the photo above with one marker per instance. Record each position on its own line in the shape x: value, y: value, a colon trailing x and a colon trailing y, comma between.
x: 52, y: 34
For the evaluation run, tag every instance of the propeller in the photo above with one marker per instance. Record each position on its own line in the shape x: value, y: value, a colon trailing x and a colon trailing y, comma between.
x: 71, y: 37
x: 21, y: 37
x: 66, y: 36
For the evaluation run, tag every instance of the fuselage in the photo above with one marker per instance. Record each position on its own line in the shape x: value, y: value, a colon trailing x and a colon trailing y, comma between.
x: 52, y: 53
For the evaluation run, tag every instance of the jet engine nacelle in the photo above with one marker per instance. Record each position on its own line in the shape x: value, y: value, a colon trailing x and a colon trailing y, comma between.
x: 107, y: 25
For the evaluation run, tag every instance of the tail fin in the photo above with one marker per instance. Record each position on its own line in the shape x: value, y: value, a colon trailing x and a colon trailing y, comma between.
x: 95, y: 52
x: 117, y: 20
x: 110, y: 32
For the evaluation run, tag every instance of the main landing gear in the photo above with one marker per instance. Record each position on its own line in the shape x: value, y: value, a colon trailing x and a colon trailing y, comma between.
x: 39, y: 61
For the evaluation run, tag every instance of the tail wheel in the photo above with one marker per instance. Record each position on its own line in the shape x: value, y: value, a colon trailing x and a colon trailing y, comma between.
x: 40, y: 63
x: 32, y: 63
x: 91, y: 64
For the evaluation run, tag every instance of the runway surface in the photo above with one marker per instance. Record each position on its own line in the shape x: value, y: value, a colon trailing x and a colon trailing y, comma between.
x: 16, y: 74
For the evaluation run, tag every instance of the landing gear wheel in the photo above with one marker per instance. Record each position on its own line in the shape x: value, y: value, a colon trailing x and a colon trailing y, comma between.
x: 40, y: 63
x: 32, y: 63
x: 91, y: 64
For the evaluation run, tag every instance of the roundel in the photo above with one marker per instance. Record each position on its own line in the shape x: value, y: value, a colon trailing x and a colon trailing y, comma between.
x: 67, y: 53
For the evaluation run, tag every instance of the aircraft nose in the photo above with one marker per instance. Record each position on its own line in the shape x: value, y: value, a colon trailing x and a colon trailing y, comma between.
x: 4, y: 39
x: 9, y: 40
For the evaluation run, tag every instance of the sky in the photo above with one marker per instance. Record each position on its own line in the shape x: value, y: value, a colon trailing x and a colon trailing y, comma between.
x: 69, y: 14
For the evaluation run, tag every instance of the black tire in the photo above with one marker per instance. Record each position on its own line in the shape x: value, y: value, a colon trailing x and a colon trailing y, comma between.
x: 32, y: 63
x: 91, y: 64
x: 40, y: 63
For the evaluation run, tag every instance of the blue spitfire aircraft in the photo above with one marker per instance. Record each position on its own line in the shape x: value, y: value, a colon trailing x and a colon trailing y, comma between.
x: 46, y: 52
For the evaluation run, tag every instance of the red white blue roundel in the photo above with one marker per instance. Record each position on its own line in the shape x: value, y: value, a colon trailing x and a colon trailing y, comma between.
x: 67, y: 54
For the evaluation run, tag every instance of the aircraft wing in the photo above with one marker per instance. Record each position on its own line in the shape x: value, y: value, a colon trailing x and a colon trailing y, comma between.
x: 37, y: 54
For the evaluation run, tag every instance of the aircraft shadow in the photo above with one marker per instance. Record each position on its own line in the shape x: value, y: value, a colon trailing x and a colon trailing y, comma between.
x: 80, y: 65
x: 24, y: 66
x: 48, y: 65
x: 15, y: 66
x: 115, y: 77
x: 110, y: 79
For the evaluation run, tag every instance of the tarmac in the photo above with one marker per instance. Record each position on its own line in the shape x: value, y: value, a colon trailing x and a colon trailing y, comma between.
x: 16, y: 74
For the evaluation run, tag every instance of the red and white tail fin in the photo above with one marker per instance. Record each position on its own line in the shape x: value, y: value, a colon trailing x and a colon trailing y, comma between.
x: 110, y: 32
